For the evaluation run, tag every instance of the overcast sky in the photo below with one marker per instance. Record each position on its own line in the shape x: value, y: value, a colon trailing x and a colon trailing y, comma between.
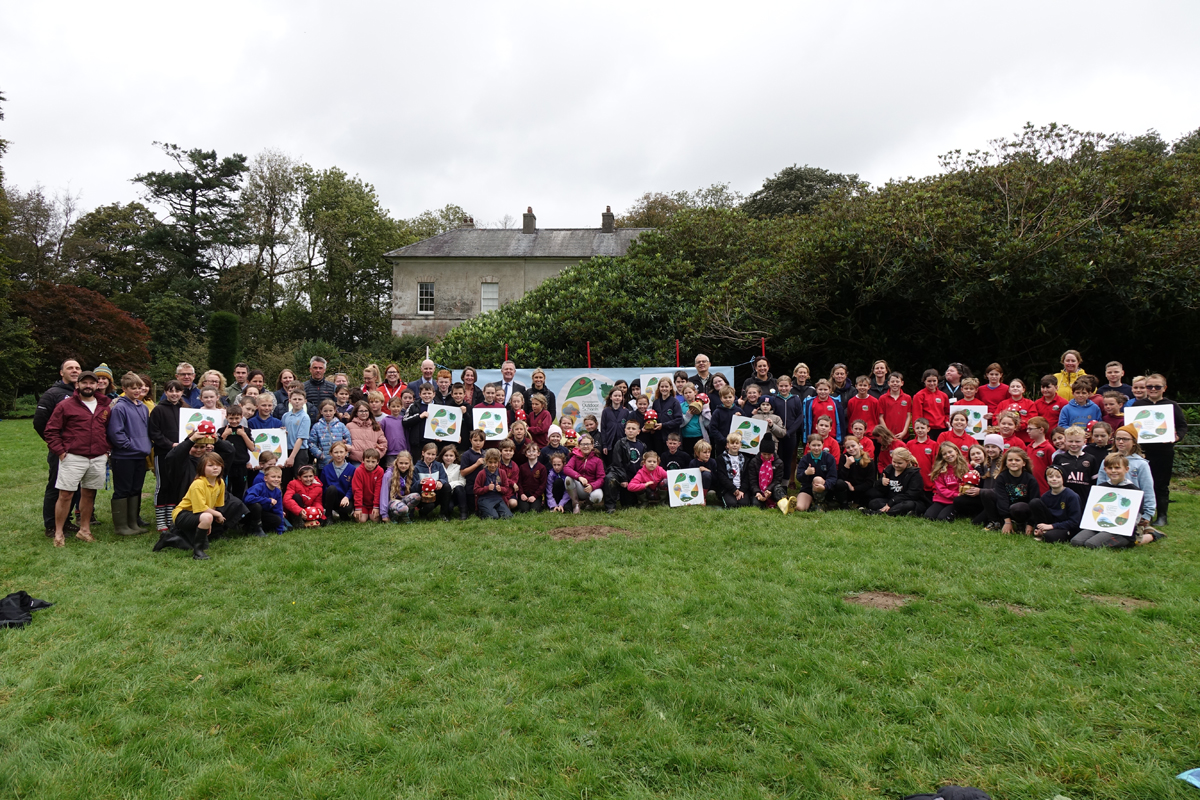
x: 570, y: 107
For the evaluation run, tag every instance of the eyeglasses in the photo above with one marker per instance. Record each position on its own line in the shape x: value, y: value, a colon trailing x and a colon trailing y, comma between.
x: 1155, y: 386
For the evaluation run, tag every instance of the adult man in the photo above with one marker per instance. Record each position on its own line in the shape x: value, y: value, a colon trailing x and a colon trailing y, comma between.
x: 77, y: 435
x: 428, y: 367
x: 508, y: 371
x: 63, y: 388
x: 317, y: 388
x: 703, y: 379
x: 185, y: 373
x: 240, y: 371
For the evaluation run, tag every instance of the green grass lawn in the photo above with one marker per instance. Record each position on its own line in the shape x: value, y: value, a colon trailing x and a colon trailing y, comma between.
x: 706, y: 655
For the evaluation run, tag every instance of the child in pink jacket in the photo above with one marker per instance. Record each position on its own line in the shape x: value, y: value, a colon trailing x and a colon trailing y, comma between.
x: 948, y: 468
x: 650, y: 481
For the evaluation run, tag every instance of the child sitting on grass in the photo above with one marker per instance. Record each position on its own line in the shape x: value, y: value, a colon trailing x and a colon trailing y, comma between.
x: 1061, y: 511
x: 900, y: 490
x: 1008, y: 507
x: 817, y: 475
x: 398, y: 495
x: 556, y: 487
x: 455, y: 480
x: 856, y: 475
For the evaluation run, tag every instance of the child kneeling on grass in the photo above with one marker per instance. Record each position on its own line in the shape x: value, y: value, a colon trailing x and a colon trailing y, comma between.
x: 557, y: 497
x: 585, y: 474
x: 650, y: 483
x: 900, y: 489
x: 398, y: 493
x: 730, y: 475
x: 492, y: 489
x: 1008, y: 507
x: 949, y: 466
x: 304, y: 491
x: 202, y: 511
x: 366, y: 487
x: 817, y: 475
x: 264, y: 503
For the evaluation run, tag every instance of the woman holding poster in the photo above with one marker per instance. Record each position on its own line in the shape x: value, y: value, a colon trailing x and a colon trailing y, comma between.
x: 1161, y: 455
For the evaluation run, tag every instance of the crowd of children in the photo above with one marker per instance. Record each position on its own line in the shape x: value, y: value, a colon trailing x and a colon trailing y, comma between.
x: 362, y: 457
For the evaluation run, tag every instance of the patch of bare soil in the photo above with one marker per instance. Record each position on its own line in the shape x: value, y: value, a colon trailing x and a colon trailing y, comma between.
x: 887, y: 601
x: 1127, y: 603
x: 1020, y: 611
x: 583, y: 533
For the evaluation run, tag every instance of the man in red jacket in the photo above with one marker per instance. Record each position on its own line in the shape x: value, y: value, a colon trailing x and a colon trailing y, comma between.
x: 77, y: 434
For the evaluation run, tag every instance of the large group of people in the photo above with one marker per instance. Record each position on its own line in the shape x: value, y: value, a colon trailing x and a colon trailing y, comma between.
x: 358, y: 454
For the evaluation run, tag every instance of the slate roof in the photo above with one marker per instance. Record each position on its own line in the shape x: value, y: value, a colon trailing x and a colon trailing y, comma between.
x: 578, y: 243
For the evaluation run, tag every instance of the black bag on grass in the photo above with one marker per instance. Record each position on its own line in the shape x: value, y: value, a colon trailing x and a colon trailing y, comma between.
x: 953, y: 793
x: 17, y: 609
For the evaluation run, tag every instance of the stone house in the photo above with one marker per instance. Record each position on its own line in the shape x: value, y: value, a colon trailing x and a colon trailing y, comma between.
x: 441, y: 281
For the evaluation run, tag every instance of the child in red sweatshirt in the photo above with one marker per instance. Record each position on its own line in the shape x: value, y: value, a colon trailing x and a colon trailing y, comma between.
x: 303, y: 492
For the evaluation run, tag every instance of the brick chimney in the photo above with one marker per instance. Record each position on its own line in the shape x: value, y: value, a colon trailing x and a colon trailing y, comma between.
x: 467, y: 222
x: 606, y: 220
x: 529, y: 222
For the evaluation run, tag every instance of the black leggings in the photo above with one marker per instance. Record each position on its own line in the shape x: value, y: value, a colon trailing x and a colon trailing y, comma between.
x: 255, y: 515
x: 914, y: 507
x: 331, y: 498
x: 1161, y: 457
x: 128, y: 475
x: 940, y: 512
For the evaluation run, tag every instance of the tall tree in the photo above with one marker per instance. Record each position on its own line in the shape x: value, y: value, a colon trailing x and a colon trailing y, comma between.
x: 798, y: 190
x: 346, y: 282
x: 201, y: 200
x: 655, y: 209
x: 16, y: 340
x: 270, y: 210
x: 108, y: 250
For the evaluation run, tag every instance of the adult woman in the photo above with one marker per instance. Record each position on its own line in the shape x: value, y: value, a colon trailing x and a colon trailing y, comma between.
x: 839, y: 383
x: 1161, y: 455
x: 538, y: 379
x: 952, y: 379
x: 257, y: 379
x: 762, y: 378
x: 1072, y: 364
x: 371, y: 379
x: 282, y: 385
x: 472, y: 394
x: 801, y: 380
x: 719, y: 380
x: 215, y: 379
x: 392, y: 386
x: 879, y: 379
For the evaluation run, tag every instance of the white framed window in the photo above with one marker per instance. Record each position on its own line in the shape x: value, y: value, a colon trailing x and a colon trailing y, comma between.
x: 425, y: 298
x: 489, y: 297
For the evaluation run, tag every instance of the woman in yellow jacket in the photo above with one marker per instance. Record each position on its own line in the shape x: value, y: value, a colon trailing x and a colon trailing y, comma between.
x: 1071, y: 371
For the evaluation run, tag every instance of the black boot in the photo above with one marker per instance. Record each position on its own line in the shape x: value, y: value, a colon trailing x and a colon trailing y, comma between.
x: 171, y: 538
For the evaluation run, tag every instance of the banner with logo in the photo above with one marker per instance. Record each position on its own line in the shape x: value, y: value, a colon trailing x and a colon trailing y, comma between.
x: 580, y: 392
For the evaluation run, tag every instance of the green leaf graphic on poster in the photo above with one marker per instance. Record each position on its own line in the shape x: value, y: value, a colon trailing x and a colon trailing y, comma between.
x: 581, y: 388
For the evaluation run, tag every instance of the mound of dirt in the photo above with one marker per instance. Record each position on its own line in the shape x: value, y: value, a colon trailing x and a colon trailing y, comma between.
x: 583, y: 533
x: 1127, y: 603
x: 887, y: 601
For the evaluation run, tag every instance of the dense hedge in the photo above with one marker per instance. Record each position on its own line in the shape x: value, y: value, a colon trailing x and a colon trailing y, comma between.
x: 1056, y: 239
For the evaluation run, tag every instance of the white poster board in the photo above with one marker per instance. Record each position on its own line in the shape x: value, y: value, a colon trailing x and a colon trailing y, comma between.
x: 1112, y: 510
x: 685, y: 487
x: 649, y: 381
x: 1153, y: 423
x: 976, y: 424
x: 189, y: 418
x: 492, y: 421
x: 268, y: 440
x: 444, y: 423
x: 752, y: 431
